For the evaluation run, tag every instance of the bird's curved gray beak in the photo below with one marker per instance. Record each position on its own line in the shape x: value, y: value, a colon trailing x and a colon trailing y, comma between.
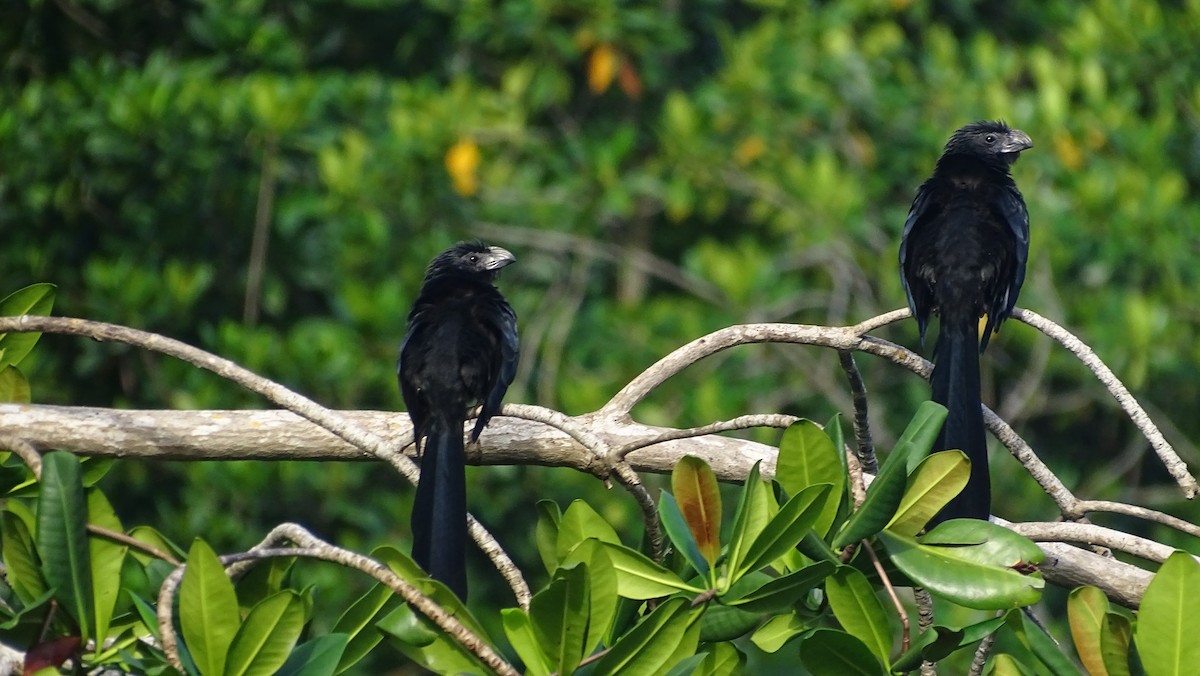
x: 1016, y: 142
x: 498, y: 257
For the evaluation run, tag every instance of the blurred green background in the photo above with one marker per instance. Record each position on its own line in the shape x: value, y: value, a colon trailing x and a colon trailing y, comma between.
x: 268, y: 180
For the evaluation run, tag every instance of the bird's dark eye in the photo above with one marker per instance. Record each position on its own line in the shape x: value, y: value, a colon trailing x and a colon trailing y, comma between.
x: 474, y: 258
x: 990, y: 139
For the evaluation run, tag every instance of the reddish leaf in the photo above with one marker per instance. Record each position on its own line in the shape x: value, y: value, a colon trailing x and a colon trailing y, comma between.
x: 50, y: 654
x: 696, y: 492
x: 629, y: 80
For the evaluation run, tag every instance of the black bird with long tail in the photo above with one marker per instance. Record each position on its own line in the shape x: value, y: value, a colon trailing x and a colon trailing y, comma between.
x: 962, y: 256
x: 460, y: 350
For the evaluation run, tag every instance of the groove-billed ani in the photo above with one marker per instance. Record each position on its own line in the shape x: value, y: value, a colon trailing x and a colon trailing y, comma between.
x: 963, y: 256
x: 460, y: 350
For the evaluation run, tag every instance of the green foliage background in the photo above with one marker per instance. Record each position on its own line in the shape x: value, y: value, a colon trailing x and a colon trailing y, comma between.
x: 752, y: 162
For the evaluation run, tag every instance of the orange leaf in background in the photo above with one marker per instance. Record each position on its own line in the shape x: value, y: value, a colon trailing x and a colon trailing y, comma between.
x: 462, y: 163
x: 629, y: 80
x: 749, y: 150
x: 602, y: 66
x: 695, y: 487
x: 1068, y: 151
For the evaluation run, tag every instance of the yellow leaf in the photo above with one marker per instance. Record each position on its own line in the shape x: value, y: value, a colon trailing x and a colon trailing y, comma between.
x: 750, y: 149
x: 462, y: 163
x: 602, y: 66
x: 1068, y: 151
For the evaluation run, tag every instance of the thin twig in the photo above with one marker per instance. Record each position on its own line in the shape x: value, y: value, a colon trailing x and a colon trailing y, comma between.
x: 891, y: 592
x: 752, y: 420
x: 310, y: 546
x: 133, y: 542
x: 26, y: 451
x: 924, y: 623
x: 981, y: 655
x: 1145, y: 513
x: 864, y: 446
x: 1176, y: 467
x: 1091, y: 534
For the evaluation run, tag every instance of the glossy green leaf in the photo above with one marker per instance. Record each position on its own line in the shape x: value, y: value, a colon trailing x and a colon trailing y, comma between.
x: 1164, y: 636
x: 208, y: 609
x: 921, y: 433
x: 786, y: 529
x: 752, y: 515
x: 61, y: 536
x: 650, y: 645
x: 1086, y: 611
x: 14, y: 388
x: 317, y: 657
x: 519, y: 630
x: 780, y: 629
x: 859, y: 611
x: 686, y: 667
x: 602, y: 596
x: 640, y: 578
x: 976, y: 575
x: 721, y: 659
x: 107, y: 559
x: 35, y: 299
x: 559, y: 615
x: 1115, y: 637
x: 726, y: 623
x: 807, y: 457
x: 887, y: 490
x: 421, y: 642
x: 1051, y: 658
x: 699, y: 499
x: 357, y: 623
x: 785, y: 591
x: 686, y: 645
x: 546, y: 534
x: 579, y: 523
x: 148, y: 536
x: 267, y: 635
x: 679, y: 534
x: 937, y: 479
x: 24, y: 574
x: 827, y: 652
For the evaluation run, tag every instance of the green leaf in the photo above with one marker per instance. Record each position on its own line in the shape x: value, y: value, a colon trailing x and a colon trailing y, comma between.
x: 14, y: 388
x: 61, y: 536
x: 35, y: 299
x: 1114, y: 644
x: 519, y: 630
x: 680, y: 535
x: 780, y: 629
x: 786, y: 529
x: 208, y: 609
x: 783, y: 592
x: 266, y: 637
x: 420, y: 641
x: 24, y: 573
x: 975, y: 570
x: 107, y: 559
x: 148, y: 536
x: 546, y: 534
x: 640, y: 578
x: 726, y: 623
x: 357, y: 624
x: 579, y: 523
x: 696, y: 492
x: 807, y: 457
x: 650, y: 645
x: 883, y: 499
x: 1164, y: 633
x: 1004, y: 664
x: 602, y: 597
x: 722, y: 659
x: 920, y: 434
x: 937, y: 479
x: 827, y: 652
x: 1086, y: 611
x: 752, y: 515
x: 318, y: 657
x: 859, y: 610
x: 559, y: 615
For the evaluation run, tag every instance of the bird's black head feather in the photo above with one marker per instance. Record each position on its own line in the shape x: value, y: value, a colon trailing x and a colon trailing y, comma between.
x: 988, y: 140
x: 470, y: 259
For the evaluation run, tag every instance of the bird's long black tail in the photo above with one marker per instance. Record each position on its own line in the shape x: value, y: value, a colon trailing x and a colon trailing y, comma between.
x: 439, y: 516
x: 956, y: 386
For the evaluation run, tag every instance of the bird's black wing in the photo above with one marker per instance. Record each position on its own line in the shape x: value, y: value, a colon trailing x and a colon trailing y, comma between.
x: 406, y: 365
x: 1009, y: 206
x: 503, y: 369
x: 925, y: 208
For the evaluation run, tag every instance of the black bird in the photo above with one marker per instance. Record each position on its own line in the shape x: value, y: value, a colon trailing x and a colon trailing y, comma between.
x: 963, y: 256
x: 460, y: 350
